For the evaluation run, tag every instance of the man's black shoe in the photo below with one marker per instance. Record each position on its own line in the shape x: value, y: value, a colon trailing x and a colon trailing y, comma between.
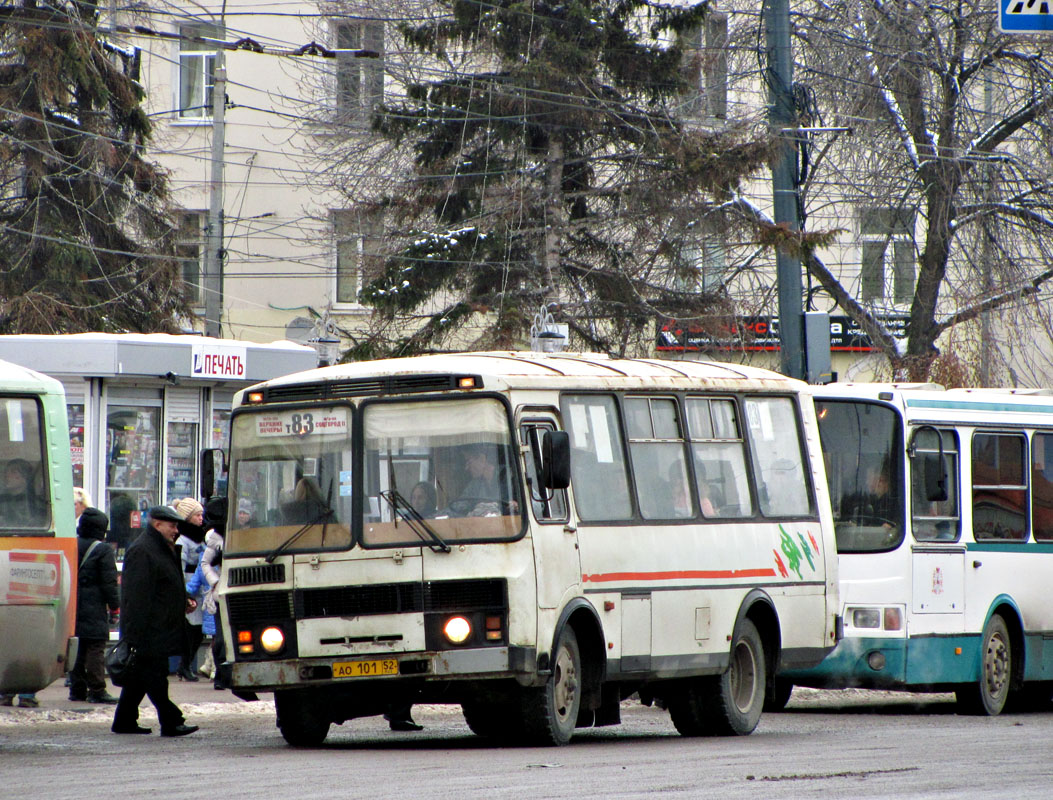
x: 129, y: 729
x: 178, y: 730
x: 101, y: 697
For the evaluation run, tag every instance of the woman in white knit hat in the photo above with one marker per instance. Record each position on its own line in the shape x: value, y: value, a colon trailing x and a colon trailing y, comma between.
x: 191, y: 543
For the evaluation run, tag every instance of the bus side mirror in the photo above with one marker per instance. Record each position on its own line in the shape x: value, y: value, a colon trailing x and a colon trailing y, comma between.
x: 555, y: 460
x: 932, y: 465
x: 210, y: 459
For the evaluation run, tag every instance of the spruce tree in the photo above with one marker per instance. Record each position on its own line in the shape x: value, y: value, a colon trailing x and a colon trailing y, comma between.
x: 84, y: 239
x: 552, y: 163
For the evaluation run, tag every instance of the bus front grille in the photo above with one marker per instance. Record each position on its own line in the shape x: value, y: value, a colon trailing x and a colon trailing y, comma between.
x: 251, y: 576
x: 400, y: 598
x: 249, y: 608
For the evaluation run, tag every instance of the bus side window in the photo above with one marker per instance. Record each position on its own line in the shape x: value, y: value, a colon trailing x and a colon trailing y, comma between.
x: 1042, y: 487
x: 999, y: 486
x: 549, y: 505
x: 934, y: 520
x: 778, y: 461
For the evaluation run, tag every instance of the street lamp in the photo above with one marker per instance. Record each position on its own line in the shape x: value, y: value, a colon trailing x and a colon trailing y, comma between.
x: 546, y: 335
x: 328, y: 348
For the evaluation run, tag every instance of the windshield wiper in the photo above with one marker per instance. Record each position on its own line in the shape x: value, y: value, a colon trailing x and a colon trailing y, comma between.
x: 405, y: 510
x: 324, y: 516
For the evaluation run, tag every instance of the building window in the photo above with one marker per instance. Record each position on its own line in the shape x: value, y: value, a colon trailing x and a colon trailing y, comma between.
x: 887, y: 251
x: 190, y: 247
x: 701, y: 262
x: 359, y: 79
x: 356, y: 243
x: 706, y: 68
x: 197, y: 69
x: 701, y: 265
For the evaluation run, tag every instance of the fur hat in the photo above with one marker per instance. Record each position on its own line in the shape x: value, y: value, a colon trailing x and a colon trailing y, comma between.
x: 92, y: 524
x: 187, y: 507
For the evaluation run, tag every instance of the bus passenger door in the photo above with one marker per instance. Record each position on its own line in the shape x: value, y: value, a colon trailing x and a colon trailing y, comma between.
x: 554, y: 536
x: 937, y: 606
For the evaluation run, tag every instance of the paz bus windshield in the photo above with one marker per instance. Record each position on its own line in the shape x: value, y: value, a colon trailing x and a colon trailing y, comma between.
x: 432, y: 471
x: 291, y: 473
x: 451, y: 461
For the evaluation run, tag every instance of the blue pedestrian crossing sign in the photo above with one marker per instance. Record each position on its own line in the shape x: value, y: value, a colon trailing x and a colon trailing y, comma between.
x: 1025, y: 16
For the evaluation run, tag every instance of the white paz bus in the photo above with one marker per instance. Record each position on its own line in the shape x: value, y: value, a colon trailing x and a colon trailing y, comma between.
x: 534, y: 537
x: 943, y: 504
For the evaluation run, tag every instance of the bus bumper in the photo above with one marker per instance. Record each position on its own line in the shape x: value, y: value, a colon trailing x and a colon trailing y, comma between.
x: 871, y: 663
x: 445, y: 665
x: 883, y: 663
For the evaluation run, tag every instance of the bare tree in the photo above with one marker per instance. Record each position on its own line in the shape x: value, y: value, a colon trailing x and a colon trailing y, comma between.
x: 946, y: 176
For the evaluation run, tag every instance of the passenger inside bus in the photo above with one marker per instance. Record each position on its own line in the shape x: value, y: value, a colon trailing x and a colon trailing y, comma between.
x: 486, y: 492
x: 422, y: 498
x: 307, y: 504
x: 19, y: 503
x: 874, y: 506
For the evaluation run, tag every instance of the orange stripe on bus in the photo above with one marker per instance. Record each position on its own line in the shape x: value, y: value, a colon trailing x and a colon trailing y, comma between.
x: 679, y: 575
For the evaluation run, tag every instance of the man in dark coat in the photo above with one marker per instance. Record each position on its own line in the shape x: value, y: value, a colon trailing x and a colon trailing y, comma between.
x: 96, y: 592
x: 153, y: 604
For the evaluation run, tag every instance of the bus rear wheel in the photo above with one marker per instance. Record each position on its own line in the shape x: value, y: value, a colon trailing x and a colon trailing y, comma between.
x: 729, y: 704
x: 550, y: 713
x: 300, y: 718
x: 988, y: 695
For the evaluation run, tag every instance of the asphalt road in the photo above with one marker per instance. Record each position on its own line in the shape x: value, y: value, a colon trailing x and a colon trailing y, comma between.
x: 828, y: 744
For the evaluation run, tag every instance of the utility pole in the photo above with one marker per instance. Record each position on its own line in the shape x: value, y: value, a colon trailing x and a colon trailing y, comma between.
x: 783, y: 119
x: 986, y: 256
x: 213, y: 277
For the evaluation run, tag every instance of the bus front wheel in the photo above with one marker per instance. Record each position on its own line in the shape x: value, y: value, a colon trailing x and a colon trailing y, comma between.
x: 550, y: 713
x: 300, y: 718
x: 729, y: 704
x: 988, y: 695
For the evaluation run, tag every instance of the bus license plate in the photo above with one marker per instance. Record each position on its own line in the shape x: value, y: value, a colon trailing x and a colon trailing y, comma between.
x: 365, y: 669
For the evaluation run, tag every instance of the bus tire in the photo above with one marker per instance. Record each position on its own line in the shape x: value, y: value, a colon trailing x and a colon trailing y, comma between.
x: 989, y: 694
x: 729, y: 704
x: 549, y: 714
x: 489, y: 720
x: 778, y: 694
x: 299, y: 719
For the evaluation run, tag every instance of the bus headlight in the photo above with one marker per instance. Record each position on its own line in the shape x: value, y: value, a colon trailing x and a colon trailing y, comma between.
x: 866, y: 618
x: 272, y: 640
x: 457, y: 630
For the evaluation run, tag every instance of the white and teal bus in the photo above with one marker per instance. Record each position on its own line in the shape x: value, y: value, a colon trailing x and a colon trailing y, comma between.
x: 943, y: 506
x: 38, y: 539
x: 534, y: 537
